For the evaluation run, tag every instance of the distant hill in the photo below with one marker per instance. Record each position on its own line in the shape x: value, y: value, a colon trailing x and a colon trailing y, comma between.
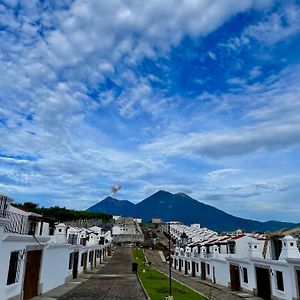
x: 117, y: 207
x: 183, y: 208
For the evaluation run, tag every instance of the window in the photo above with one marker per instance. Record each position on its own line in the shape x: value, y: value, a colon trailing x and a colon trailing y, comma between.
x: 208, y: 269
x: 245, y: 275
x: 32, y: 228
x: 71, y: 261
x: 14, y: 267
x: 279, y: 279
x: 197, y: 268
x: 82, y: 259
x: 231, y: 247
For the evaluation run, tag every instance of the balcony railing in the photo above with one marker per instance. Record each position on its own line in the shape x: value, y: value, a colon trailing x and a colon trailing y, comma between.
x: 73, y: 239
x: 3, y: 206
x: 17, y: 223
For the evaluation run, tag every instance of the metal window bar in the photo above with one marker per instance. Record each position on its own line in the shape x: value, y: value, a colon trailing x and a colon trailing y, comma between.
x: 72, y: 239
x: 18, y: 265
x: 3, y: 206
x: 17, y: 223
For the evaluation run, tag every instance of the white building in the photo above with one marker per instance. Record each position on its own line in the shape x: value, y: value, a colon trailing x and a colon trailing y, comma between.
x: 33, y: 261
x: 240, y: 261
x: 127, y: 230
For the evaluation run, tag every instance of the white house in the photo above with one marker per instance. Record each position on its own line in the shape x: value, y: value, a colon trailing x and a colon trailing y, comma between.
x: 34, y: 259
x: 240, y: 261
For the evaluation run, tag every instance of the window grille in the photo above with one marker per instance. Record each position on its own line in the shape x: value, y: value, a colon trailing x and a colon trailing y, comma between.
x: 14, y: 267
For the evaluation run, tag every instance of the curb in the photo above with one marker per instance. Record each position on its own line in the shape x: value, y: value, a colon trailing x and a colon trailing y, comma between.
x: 138, y: 276
x: 145, y: 292
x: 181, y: 282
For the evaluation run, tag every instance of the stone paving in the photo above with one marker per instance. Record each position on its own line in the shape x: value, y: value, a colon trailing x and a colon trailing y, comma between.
x: 111, y: 281
x: 212, y: 291
x: 114, y: 281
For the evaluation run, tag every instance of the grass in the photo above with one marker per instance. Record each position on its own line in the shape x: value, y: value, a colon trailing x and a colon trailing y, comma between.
x: 157, y: 284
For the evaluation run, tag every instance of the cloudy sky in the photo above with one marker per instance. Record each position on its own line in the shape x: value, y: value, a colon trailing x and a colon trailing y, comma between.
x: 201, y: 97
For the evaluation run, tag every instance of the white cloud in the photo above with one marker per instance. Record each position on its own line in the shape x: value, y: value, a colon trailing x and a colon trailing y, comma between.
x: 222, y: 173
x: 218, y: 145
x: 276, y: 27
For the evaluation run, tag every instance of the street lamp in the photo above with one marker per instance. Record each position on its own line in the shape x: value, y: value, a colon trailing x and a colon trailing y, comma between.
x: 170, y: 263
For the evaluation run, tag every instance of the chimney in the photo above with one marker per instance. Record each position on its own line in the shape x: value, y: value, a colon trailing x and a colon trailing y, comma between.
x: 254, y: 249
x: 289, y: 248
x: 215, y: 251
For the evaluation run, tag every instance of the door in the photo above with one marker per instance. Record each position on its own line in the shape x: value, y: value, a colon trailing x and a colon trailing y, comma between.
x: 85, y: 256
x: 235, y: 278
x: 203, y: 271
x: 263, y: 283
x: 193, y: 269
x: 32, y: 274
x: 298, y: 281
x: 92, y: 259
x: 186, y: 268
x: 180, y: 265
x: 214, y: 275
x: 95, y: 258
x: 75, y: 265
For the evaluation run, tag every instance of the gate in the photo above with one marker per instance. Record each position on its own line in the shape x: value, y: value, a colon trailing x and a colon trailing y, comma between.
x: 32, y: 274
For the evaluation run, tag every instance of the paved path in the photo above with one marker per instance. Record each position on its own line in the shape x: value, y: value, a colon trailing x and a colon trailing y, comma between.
x: 213, y: 291
x: 111, y: 281
x: 114, y: 281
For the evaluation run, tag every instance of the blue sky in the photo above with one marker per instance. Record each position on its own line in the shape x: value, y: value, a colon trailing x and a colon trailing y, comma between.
x: 201, y: 97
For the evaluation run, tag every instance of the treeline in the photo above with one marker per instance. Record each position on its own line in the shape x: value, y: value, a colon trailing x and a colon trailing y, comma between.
x: 61, y: 214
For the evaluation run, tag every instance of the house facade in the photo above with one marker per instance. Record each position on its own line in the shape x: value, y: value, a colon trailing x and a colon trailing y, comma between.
x: 127, y: 230
x: 36, y: 258
x: 239, y: 261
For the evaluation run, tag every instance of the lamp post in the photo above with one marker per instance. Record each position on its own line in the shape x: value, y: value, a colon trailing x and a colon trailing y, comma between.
x: 170, y: 263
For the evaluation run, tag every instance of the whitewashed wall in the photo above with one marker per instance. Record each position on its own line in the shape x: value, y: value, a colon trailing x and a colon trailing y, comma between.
x: 55, y: 264
x: 221, y: 271
x: 289, y: 282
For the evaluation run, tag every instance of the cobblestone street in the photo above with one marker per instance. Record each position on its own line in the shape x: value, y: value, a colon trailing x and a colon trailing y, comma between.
x: 114, y: 281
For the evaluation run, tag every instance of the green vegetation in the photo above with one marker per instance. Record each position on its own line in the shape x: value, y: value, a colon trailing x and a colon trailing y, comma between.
x: 61, y: 214
x: 157, y: 284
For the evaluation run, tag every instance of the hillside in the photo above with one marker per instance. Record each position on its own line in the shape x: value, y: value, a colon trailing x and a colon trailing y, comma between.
x: 117, y: 207
x: 183, y: 208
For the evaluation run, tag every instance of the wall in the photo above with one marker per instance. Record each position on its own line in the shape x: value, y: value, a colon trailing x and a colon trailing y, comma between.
x: 251, y: 285
x: 15, y: 289
x: 288, y: 280
x: 55, y: 264
x: 221, y: 268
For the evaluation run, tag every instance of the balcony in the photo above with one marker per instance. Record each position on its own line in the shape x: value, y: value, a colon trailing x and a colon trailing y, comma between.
x: 17, y: 223
x: 73, y: 239
x: 3, y: 206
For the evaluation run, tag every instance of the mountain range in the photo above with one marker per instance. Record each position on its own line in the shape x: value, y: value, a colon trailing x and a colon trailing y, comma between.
x: 181, y: 207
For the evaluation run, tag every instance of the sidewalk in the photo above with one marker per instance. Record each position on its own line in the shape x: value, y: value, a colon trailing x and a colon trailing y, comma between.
x: 61, y: 290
